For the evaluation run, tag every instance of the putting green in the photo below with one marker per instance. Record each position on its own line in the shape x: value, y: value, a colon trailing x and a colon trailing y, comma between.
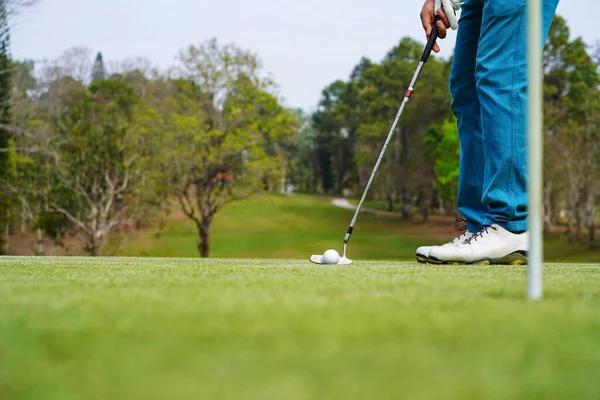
x: 73, y: 328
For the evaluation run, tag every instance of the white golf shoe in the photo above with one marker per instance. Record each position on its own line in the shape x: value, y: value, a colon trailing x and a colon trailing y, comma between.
x: 491, y: 245
x: 424, y: 251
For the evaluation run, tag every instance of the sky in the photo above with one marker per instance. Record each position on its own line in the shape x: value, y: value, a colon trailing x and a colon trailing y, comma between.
x: 304, y: 45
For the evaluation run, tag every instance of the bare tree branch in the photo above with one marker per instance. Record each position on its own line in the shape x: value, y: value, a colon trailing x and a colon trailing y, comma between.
x: 28, y: 150
x: 72, y: 218
x: 18, y: 131
x: 186, y: 204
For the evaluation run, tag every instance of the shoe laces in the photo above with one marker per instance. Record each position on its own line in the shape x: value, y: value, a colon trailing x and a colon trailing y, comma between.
x: 485, y: 229
x: 462, y: 229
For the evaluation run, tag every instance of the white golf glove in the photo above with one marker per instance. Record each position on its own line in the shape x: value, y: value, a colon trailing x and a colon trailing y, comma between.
x: 450, y: 7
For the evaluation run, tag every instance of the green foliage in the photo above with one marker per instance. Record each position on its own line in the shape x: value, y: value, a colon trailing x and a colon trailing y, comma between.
x: 572, y: 106
x: 106, y: 155
x: 354, y: 119
x: 421, y: 163
x: 300, y: 155
x: 98, y: 71
x: 444, y: 149
x: 84, y: 162
x: 220, y: 131
x: 407, y: 174
x: 95, y: 130
x: 53, y: 224
x: 5, y: 120
x: 336, y: 127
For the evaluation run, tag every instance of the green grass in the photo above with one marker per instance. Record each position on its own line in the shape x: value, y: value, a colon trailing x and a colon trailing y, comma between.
x: 284, y: 227
x: 275, y: 226
x: 74, y: 328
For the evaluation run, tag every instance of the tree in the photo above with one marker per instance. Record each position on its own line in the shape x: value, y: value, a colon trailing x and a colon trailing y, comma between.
x: 220, y: 130
x: 77, y: 63
x: 98, y: 72
x: 571, y: 104
x: 84, y: 162
x: 334, y: 139
x: 444, y: 148
x: 8, y: 9
x: 336, y: 123
x: 5, y: 119
x: 406, y: 174
x: 301, y: 157
x: 101, y: 166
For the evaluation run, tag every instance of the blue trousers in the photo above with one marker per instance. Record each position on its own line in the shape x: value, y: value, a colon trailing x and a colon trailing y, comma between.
x: 488, y: 83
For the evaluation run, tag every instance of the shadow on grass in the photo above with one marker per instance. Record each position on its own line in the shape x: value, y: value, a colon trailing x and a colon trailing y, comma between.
x: 522, y: 295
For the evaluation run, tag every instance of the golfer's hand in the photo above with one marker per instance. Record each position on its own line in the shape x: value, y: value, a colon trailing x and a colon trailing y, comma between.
x: 427, y: 18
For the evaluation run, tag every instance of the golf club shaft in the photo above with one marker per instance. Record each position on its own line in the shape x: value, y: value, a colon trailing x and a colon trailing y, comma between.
x: 409, y: 92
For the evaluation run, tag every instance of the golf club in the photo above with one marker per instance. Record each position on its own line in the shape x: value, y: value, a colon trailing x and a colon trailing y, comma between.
x: 344, y: 260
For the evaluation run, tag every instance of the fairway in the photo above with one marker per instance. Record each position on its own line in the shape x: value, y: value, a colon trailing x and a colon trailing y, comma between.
x: 294, y: 227
x: 73, y: 328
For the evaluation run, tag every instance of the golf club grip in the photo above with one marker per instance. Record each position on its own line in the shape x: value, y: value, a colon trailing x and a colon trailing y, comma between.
x: 432, y: 39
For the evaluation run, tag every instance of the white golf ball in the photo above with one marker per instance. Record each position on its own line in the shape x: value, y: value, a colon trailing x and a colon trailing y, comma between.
x: 331, y: 257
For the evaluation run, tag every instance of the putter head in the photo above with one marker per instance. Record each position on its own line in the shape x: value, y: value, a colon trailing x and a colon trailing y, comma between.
x: 318, y: 259
x: 344, y: 261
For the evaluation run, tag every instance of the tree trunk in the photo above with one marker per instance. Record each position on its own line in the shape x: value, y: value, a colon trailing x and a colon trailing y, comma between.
x: 340, y: 172
x: 24, y: 220
x: 578, y: 221
x: 554, y: 216
x: 92, y: 246
x: 390, y: 202
x: 3, y: 225
x: 6, y: 234
x: 572, y: 204
x: 591, y: 214
x: 426, y: 205
x: 404, y: 168
x: 204, y: 238
x: 283, y: 188
x: 548, y: 226
x: 425, y: 211
x: 405, y: 209
x: 569, y: 222
x: 315, y: 174
x: 442, y: 207
x: 40, y: 242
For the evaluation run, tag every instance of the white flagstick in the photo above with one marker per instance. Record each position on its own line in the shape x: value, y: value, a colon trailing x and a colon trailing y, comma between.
x: 535, y: 151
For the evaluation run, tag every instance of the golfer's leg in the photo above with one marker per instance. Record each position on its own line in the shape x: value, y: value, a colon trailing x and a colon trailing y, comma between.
x: 466, y: 107
x: 501, y: 75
